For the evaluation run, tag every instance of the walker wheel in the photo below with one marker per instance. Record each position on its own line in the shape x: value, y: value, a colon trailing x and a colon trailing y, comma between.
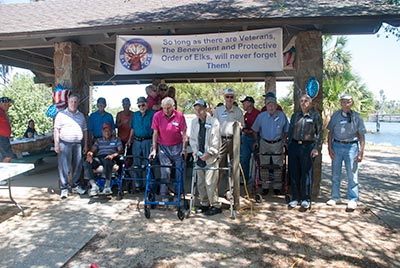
x: 259, y: 198
x: 147, y: 212
x: 181, y: 215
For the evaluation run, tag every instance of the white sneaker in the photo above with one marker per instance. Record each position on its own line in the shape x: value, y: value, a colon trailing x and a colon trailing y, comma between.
x: 293, y: 203
x: 352, y: 205
x: 331, y: 202
x: 64, y: 193
x: 78, y: 190
x: 305, y: 204
x: 94, y: 191
x: 107, y: 191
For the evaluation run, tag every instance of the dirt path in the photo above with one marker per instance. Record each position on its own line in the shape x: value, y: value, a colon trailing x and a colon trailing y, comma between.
x: 271, y: 236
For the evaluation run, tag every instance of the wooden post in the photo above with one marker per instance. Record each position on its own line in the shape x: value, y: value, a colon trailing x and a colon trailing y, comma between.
x: 70, y: 65
x: 309, y: 63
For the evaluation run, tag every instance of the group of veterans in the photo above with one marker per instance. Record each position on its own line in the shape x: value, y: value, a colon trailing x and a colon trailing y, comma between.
x: 161, y: 130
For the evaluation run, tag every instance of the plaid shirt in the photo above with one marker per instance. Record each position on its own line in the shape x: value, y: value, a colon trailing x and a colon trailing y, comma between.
x: 306, y: 127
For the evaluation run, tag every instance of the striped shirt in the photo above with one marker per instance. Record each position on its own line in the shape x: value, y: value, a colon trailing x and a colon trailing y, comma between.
x: 71, y: 125
x: 306, y: 127
x: 106, y: 147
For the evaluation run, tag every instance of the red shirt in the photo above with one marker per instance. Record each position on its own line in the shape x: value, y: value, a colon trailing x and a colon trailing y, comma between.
x: 249, y: 118
x: 152, y: 101
x: 169, y: 129
x: 5, y: 127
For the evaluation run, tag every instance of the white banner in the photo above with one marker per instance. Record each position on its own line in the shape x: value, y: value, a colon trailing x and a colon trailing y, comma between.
x: 247, y: 51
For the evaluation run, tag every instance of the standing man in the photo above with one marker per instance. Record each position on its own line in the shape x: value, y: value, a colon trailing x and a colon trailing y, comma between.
x: 142, y: 134
x: 272, y: 126
x: 123, y: 124
x: 346, y: 141
x: 205, y: 141
x: 5, y: 132
x: 69, y: 131
x: 247, y: 138
x: 170, y: 140
x: 97, y: 119
x: 153, y: 99
x: 305, y: 142
x: 227, y: 115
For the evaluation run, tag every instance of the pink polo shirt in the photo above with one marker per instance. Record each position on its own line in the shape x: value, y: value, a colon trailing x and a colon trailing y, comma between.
x: 169, y: 129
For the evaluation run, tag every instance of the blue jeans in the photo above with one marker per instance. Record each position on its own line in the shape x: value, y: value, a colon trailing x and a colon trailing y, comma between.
x: 168, y: 156
x: 140, y: 149
x: 246, y: 149
x: 300, y: 170
x: 70, y: 155
x: 346, y: 153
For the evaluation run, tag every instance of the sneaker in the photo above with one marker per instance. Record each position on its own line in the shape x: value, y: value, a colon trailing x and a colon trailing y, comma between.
x: 107, y: 191
x: 293, y: 203
x: 305, y: 204
x: 352, y: 205
x: 165, y: 199
x: 78, y: 190
x: 202, y: 209
x: 212, y: 211
x: 64, y: 193
x: 331, y: 202
x: 94, y: 191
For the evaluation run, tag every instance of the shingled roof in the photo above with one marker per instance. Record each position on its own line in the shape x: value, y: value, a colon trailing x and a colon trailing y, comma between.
x: 29, y: 30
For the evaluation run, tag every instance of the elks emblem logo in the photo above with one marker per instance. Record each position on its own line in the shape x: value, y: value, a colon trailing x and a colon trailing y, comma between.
x: 135, y: 54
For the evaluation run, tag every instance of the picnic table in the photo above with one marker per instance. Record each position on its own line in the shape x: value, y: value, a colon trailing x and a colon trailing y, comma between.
x: 9, y: 170
x: 32, y: 150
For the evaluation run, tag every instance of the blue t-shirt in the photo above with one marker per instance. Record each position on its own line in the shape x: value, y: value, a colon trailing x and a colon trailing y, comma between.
x: 96, y: 121
x: 142, y: 124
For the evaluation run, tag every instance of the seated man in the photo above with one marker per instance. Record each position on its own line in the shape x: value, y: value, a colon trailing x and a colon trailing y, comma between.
x: 106, y: 150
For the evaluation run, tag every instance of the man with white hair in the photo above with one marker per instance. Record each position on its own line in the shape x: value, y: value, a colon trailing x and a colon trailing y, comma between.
x: 205, y: 141
x: 305, y: 143
x: 169, y: 140
x: 346, y: 140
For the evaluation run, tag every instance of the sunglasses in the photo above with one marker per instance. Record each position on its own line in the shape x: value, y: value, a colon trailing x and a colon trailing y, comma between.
x: 141, y: 105
x: 229, y: 97
x: 163, y: 89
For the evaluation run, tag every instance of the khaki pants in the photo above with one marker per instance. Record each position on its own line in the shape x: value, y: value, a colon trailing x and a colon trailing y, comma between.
x: 207, y: 181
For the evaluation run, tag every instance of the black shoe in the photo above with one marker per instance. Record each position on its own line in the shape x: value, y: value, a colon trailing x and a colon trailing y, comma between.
x: 277, y: 191
x: 203, y: 209
x: 265, y: 191
x: 213, y: 211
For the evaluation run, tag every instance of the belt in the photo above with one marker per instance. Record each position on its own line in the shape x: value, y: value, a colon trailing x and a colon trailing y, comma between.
x: 272, y: 142
x: 142, y: 139
x: 303, y: 142
x: 227, y: 137
x: 345, y: 142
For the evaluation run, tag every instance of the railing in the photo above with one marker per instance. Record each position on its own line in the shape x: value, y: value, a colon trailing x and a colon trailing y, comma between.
x: 392, y: 118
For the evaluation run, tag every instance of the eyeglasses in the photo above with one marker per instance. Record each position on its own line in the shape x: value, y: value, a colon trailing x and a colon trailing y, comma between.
x: 141, y: 105
x: 229, y: 97
x: 163, y: 89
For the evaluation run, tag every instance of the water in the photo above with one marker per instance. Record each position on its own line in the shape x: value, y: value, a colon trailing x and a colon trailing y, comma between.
x: 389, y: 133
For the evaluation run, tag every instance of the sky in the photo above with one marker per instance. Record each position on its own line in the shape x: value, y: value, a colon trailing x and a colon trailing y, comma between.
x: 375, y: 59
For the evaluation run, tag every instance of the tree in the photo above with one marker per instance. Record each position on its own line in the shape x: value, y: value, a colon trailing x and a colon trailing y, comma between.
x: 31, y: 101
x: 338, y: 78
